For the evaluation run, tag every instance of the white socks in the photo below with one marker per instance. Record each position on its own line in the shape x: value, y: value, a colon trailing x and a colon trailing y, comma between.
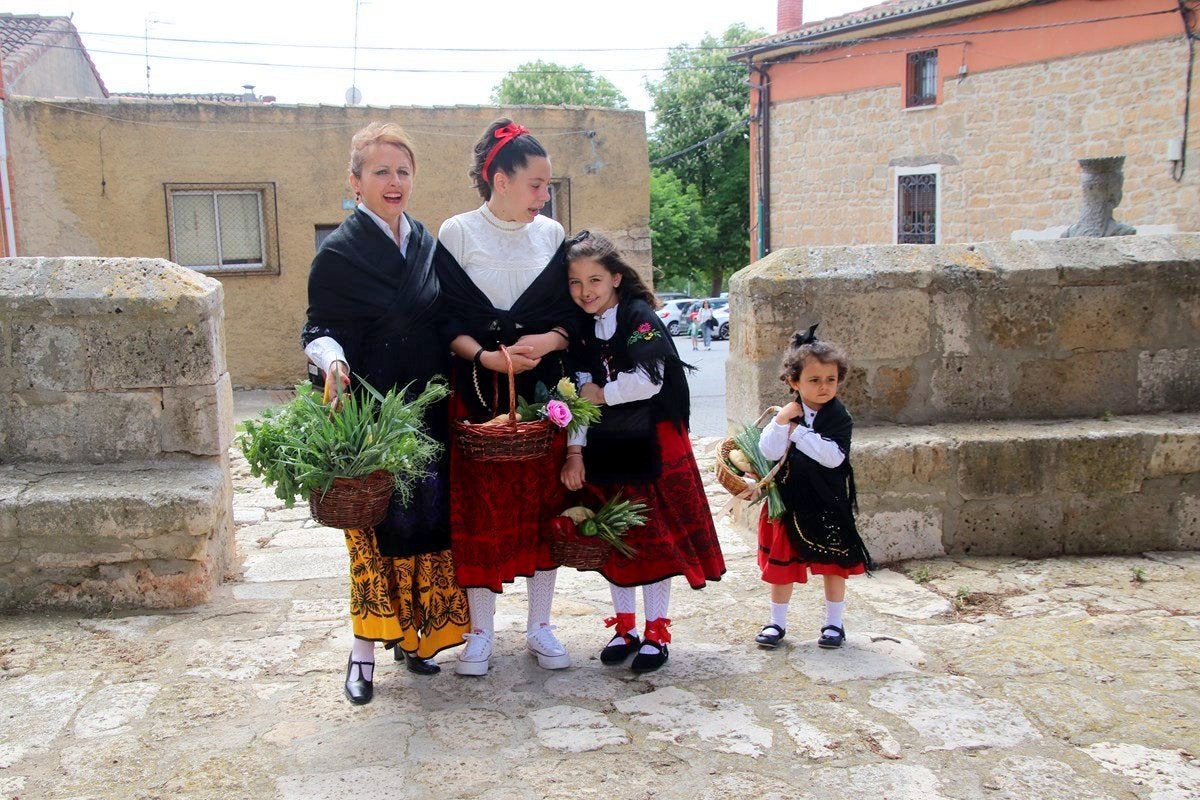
x: 624, y: 598
x: 656, y: 597
x: 540, y: 587
x: 833, y: 612
x: 364, y: 650
x: 779, y: 615
x: 482, y: 603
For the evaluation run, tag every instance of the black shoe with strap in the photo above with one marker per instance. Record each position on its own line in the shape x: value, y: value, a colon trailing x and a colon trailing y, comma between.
x: 831, y: 641
x: 770, y: 635
x: 360, y: 690
x: 619, y: 648
x: 648, y: 662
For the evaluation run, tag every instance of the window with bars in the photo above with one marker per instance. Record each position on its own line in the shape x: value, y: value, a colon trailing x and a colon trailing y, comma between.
x: 916, y: 212
x: 558, y: 207
x: 922, y: 78
x: 225, y: 228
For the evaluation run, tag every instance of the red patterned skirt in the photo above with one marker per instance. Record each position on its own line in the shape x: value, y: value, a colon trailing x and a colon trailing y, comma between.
x: 679, y: 537
x: 498, y: 510
x: 777, y: 559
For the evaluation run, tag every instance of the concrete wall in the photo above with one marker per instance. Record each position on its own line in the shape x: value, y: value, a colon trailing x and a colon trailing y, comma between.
x: 115, y: 423
x: 999, y: 330
x: 88, y: 179
x: 1005, y: 141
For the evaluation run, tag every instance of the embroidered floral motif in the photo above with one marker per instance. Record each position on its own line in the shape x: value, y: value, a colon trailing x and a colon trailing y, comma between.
x: 644, y: 333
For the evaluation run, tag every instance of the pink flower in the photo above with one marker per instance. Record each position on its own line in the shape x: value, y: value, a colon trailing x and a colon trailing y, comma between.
x: 644, y: 327
x: 558, y: 413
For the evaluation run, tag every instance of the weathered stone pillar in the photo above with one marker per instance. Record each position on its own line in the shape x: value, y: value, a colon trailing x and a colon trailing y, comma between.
x: 115, y: 423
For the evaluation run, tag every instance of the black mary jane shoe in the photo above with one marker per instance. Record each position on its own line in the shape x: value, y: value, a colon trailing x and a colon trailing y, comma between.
x: 648, y: 662
x: 831, y: 641
x: 770, y: 635
x: 421, y: 666
x: 619, y: 648
x: 360, y: 690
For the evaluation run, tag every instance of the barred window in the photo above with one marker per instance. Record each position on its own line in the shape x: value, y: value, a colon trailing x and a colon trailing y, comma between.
x: 921, y: 89
x: 227, y: 228
x: 916, y: 212
x: 558, y: 207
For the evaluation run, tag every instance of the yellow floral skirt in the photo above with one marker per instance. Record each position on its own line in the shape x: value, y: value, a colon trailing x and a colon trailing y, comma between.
x: 413, y: 602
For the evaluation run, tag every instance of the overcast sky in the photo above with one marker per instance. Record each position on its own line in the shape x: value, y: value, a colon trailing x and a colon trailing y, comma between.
x: 300, y: 54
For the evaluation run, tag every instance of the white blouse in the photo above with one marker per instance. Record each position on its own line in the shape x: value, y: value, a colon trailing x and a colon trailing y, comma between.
x: 502, y: 258
x: 774, y: 438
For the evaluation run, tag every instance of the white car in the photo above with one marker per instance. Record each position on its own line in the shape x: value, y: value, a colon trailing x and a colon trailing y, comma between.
x: 721, y: 315
x: 672, y: 315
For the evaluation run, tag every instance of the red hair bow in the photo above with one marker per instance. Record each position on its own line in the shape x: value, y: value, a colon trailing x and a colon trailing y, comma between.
x: 503, y: 136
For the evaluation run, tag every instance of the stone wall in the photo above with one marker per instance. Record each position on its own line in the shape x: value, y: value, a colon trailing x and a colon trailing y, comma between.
x: 1005, y: 142
x: 115, y: 423
x: 1015, y: 398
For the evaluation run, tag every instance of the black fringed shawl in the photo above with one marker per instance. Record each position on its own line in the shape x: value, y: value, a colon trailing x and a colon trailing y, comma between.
x: 821, y: 501
x: 623, y: 447
x: 546, y: 303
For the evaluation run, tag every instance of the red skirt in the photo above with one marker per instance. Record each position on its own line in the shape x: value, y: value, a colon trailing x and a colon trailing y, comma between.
x: 778, y: 562
x: 679, y: 537
x: 498, y: 510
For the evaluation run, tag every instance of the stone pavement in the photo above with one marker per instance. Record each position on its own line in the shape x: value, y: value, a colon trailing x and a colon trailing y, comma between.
x: 963, y: 678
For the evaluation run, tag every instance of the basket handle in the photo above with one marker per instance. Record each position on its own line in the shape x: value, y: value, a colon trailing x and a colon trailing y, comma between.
x: 512, y: 388
x: 766, y: 415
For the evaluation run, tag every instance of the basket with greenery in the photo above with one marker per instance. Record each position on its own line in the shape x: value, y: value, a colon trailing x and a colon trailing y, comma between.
x: 582, y: 538
x: 745, y: 472
x: 308, y: 448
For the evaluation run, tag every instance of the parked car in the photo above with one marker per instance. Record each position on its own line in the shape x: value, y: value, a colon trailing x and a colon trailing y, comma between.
x: 673, y: 317
x: 665, y: 296
x: 721, y: 315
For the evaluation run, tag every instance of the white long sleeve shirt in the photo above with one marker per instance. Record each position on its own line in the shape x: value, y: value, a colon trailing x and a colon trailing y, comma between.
x: 774, y: 438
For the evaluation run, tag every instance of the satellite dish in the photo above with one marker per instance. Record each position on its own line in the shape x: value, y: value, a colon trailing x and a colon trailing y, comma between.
x: 353, y: 96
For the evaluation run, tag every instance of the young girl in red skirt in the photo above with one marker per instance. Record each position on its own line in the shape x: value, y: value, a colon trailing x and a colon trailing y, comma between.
x: 816, y: 533
x: 629, y: 366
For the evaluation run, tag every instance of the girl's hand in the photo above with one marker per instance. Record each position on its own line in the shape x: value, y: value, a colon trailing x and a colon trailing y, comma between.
x: 337, y: 376
x: 573, y: 474
x: 542, y: 344
x: 522, y: 356
x: 592, y: 392
x: 789, y: 412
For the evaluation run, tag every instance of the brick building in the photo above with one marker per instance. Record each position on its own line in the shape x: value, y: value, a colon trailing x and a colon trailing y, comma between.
x: 934, y: 121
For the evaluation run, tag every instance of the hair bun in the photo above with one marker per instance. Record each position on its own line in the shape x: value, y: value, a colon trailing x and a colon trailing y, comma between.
x: 800, y: 338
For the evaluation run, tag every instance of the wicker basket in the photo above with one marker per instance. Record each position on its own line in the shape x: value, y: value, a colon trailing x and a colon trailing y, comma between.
x: 353, y: 502
x: 578, y: 551
x: 508, y: 441
x: 732, y: 482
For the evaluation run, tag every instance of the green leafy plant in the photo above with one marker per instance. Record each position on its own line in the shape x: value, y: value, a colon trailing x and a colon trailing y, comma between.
x: 960, y: 597
x: 579, y: 412
x: 303, y: 446
x: 1139, y: 574
x: 747, y: 441
x: 610, y: 522
x: 919, y: 574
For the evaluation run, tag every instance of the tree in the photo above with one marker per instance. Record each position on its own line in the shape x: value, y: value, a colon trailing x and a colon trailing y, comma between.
x: 542, y: 83
x: 679, y: 230
x: 703, y: 97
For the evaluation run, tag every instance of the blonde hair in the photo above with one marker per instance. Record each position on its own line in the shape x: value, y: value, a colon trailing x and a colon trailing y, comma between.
x: 378, y: 133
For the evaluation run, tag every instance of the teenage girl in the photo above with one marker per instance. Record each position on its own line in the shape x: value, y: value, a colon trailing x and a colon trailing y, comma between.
x: 628, y: 365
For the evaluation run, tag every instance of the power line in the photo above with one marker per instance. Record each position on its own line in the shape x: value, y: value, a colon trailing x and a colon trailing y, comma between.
x: 737, y: 127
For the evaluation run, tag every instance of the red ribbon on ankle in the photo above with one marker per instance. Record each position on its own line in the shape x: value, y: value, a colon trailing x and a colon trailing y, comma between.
x: 503, y: 136
x: 624, y: 623
x: 656, y: 631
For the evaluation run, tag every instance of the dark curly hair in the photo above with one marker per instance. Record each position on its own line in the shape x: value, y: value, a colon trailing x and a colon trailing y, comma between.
x: 802, y: 347
x: 605, y: 253
x: 511, y: 157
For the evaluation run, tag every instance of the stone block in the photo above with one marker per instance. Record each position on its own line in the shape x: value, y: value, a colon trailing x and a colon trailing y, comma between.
x: 66, y: 427
x: 156, y: 534
x: 1003, y: 467
x: 1105, y: 317
x: 48, y: 356
x: 1176, y: 453
x: 1095, y: 463
x: 878, y: 325
x: 1081, y: 385
x: 897, y: 461
x: 893, y: 536
x: 144, y: 355
x: 1187, y: 522
x: 198, y: 419
x: 1169, y: 380
x: 1029, y: 527
x: 892, y: 390
x: 970, y: 387
x: 1017, y: 318
x: 1107, y: 524
x: 745, y: 382
x: 952, y: 318
x: 7, y: 374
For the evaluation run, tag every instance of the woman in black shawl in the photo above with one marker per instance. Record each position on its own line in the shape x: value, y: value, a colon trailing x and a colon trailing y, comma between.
x: 503, y: 274
x: 374, y: 308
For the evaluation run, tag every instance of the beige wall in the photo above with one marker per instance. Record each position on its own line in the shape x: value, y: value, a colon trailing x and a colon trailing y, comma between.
x: 88, y: 180
x: 1007, y: 142
x: 58, y: 71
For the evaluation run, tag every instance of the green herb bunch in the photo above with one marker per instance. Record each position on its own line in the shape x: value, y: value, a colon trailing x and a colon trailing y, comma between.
x: 582, y: 412
x: 303, y: 446
x: 747, y: 441
x: 612, y: 520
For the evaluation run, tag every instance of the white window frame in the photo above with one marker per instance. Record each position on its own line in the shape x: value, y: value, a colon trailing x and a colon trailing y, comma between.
x: 268, y: 240
x: 929, y: 169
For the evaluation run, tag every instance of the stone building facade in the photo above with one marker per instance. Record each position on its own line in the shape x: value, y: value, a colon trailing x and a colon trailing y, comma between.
x: 1020, y: 92
x: 119, y: 177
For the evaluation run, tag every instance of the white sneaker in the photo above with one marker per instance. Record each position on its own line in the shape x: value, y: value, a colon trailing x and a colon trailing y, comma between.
x: 473, y: 660
x: 549, y: 651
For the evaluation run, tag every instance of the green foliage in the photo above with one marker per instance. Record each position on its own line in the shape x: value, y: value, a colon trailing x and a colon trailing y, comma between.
x: 583, y: 412
x: 747, y: 441
x: 919, y: 574
x: 1139, y: 575
x: 701, y: 95
x: 612, y: 520
x: 544, y: 83
x: 679, y: 229
x: 301, y: 447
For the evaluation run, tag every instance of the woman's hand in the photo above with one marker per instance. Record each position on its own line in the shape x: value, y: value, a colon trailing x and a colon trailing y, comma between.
x: 542, y: 344
x: 523, y: 359
x: 573, y: 474
x: 337, y: 378
x: 592, y: 392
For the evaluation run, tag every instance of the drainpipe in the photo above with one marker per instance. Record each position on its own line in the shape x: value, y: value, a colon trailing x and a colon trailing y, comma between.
x: 10, y: 235
x: 763, y: 201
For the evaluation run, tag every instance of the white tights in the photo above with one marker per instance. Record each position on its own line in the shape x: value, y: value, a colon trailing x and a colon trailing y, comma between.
x: 656, y: 598
x: 540, y: 587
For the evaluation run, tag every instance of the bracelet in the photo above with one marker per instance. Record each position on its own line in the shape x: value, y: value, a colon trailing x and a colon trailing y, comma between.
x: 574, y: 454
x: 478, y: 359
x: 561, y: 333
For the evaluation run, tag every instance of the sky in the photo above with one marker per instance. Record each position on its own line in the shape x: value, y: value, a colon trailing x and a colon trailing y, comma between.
x: 408, y: 53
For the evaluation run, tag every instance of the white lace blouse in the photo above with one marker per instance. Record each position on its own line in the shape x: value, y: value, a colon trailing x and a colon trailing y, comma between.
x: 502, y: 258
